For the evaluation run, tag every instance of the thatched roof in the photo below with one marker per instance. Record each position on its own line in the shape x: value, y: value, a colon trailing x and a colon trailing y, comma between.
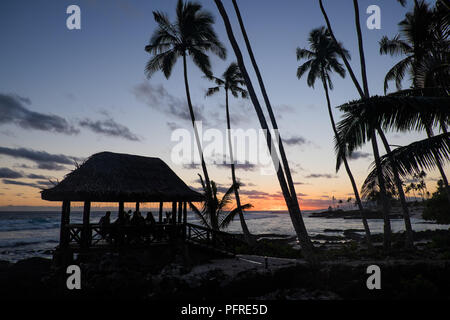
x: 113, y: 177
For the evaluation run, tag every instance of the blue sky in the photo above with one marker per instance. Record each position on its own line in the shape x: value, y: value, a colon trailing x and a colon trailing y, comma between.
x: 91, y: 77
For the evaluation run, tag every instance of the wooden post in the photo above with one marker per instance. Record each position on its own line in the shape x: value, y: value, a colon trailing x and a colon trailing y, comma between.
x: 161, y: 212
x: 121, y: 210
x: 174, y: 212
x: 86, y: 233
x: 185, y: 212
x: 65, y: 220
x: 184, y: 219
x: 180, y: 211
x: 137, y: 206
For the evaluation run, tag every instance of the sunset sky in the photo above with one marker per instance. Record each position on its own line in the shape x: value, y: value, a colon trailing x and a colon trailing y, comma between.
x: 67, y: 94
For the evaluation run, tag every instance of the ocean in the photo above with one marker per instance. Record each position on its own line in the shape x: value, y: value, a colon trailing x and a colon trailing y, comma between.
x: 35, y: 234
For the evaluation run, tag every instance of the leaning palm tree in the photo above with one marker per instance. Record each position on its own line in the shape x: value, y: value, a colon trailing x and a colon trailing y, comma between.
x: 232, y: 82
x: 322, y: 59
x: 365, y: 94
x: 219, y: 219
x: 288, y: 192
x: 191, y: 34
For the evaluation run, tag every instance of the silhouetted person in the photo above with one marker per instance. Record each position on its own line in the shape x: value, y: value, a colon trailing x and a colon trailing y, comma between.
x: 137, y: 219
x: 105, y: 223
x: 150, y: 219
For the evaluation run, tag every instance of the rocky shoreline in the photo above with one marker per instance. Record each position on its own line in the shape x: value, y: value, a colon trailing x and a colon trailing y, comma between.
x: 198, y: 275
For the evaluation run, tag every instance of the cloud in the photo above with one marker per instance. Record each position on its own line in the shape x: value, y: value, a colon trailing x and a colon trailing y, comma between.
x: 321, y: 175
x: 43, y: 159
x: 20, y: 183
x: 295, y: 141
x: 172, y: 125
x: 158, y: 98
x: 13, y: 110
x: 359, y: 155
x: 109, y: 127
x: 190, y: 166
x: 238, y: 166
x: 36, y: 176
x: 11, y: 174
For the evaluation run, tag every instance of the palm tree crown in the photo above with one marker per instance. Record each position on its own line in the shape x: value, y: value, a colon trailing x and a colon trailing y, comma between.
x: 421, y: 40
x: 231, y: 81
x: 191, y: 34
x: 323, y: 57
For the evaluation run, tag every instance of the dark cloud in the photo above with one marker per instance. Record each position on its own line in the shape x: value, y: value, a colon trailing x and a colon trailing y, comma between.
x: 109, y: 127
x: 36, y: 176
x: 10, y: 174
x: 295, y: 141
x: 13, y: 110
x: 20, y: 183
x: 43, y: 159
x: 321, y: 175
x: 158, y: 98
x: 238, y: 166
x: 359, y: 155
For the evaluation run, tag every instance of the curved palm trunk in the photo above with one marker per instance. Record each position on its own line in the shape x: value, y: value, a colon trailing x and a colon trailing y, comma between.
x: 197, y: 138
x: 245, y: 230
x: 294, y: 212
x: 347, y: 168
x: 401, y: 194
x: 273, y: 120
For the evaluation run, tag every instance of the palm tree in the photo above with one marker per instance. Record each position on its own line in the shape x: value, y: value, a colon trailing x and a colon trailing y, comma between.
x: 219, y: 219
x: 425, y: 45
x: 288, y: 194
x: 365, y: 94
x: 191, y: 34
x: 232, y: 82
x: 322, y: 58
x: 285, y: 162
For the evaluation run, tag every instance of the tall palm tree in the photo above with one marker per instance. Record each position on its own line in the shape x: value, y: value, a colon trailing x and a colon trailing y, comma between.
x: 232, y: 82
x: 322, y: 59
x: 425, y: 45
x: 192, y: 34
x: 285, y: 162
x: 294, y: 210
x: 364, y: 93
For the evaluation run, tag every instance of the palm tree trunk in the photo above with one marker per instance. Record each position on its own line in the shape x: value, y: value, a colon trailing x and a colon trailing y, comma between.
x: 401, y: 194
x: 381, y: 182
x: 273, y: 120
x: 245, y: 230
x: 294, y: 212
x: 197, y: 138
x: 365, y: 94
x: 430, y: 134
x: 347, y: 168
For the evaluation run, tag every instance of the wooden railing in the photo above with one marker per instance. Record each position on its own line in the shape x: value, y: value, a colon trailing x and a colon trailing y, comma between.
x: 81, y: 236
x: 216, y: 239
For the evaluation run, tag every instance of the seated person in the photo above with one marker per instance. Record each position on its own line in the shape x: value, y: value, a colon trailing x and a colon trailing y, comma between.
x: 150, y: 219
x: 105, y: 223
x: 137, y: 219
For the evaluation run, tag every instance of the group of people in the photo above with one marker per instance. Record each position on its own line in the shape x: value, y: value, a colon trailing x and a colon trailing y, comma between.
x: 127, y: 227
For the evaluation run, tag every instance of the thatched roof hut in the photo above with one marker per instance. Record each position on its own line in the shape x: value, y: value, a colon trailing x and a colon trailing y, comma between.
x: 114, y: 177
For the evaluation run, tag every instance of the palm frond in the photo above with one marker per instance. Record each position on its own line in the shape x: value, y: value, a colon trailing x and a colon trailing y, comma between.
x: 232, y: 215
x: 413, y: 159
